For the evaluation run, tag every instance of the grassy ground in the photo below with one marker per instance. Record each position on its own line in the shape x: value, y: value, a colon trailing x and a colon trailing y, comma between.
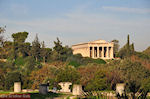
x: 36, y: 95
x: 50, y: 95
x: 5, y: 92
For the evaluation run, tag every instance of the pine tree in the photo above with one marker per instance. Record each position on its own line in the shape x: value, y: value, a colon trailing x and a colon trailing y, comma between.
x: 35, y: 49
x: 58, y: 48
x: 43, y: 52
x: 19, y: 43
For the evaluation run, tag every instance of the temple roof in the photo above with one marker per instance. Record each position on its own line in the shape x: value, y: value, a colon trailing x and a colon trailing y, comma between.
x: 98, y: 41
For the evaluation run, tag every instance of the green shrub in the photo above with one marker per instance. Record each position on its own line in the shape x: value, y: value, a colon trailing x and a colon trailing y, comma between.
x: 87, y: 60
x: 142, y: 55
x: 74, y: 63
x: 98, y: 82
x: 19, y: 61
x: 11, y: 78
x: 99, y: 61
x: 68, y: 74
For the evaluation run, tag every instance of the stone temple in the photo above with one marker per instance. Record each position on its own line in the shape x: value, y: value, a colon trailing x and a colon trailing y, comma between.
x: 95, y: 49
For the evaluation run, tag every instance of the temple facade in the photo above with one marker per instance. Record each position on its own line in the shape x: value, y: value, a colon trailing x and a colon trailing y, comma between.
x: 95, y: 49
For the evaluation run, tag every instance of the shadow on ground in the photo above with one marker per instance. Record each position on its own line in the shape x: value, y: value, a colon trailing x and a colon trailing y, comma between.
x: 50, y: 95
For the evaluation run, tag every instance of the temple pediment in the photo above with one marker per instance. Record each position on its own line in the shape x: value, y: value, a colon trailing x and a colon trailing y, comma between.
x: 98, y: 41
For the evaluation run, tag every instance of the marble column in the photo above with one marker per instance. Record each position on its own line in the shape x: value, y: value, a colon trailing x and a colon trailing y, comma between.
x: 107, y: 49
x: 92, y: 52
x: 97, y: 51
x: 89, y: 52
x: 102, y: 53
x: 111, y: 53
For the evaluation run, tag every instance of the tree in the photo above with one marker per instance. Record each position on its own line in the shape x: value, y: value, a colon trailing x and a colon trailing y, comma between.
x: 67, y: 74
x: 20, y: 37
x: 93, y: 77
x: 128, y: 46
x: 29, y: 65
x: 19, y: 43
x: 145, y: 88
x: 12, y: 77
x: 2, y: 78
x: 127, y: 50
x: 6, y: 50
x: 128, y: 42
x: 86, y: 73
x: 62, y: 52
x: 58, y: 47
x: 98, y: 82
x: 116, y: 46
x: 45, y: 52
x: 113, y: 77
x: 26, y: 49
x: 35, y: 49
x: 42, y: 75
x: 133, y: 73
x: 66, y: 53
x: 2, y: 30
x: 147, y: 51
x: 132, y: 48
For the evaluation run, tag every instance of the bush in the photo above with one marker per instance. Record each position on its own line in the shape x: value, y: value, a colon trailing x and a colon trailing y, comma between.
x: 99, y: 61
x: 2, y: 78
x: 75, y: 60
x: 142, y: 55
x: 19, y: 61
x: 11, y: 78
x: 68, y: 74
x: 74, y: 63
x: 98, y: 82
x: 78, y: 60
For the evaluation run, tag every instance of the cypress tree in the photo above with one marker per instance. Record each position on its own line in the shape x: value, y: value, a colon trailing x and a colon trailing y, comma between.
x: 128, y: 46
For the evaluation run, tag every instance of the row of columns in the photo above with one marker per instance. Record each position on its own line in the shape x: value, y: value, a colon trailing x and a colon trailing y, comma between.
x: 101, y: 52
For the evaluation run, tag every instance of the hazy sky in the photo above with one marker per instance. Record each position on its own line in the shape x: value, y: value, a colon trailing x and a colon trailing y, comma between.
x: 75, y: 21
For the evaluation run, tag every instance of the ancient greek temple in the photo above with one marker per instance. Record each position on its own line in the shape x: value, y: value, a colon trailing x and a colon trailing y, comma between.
x: 95, y: 49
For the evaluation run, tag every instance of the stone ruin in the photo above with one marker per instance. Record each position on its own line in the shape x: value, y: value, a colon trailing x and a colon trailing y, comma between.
x: 77, y: 90
x: 17, y: 86
x: 65, y: 86
x: 120, y: 88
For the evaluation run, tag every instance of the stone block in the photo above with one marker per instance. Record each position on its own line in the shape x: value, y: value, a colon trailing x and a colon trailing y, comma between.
x: 77, y: 90
x: 65, y: 86
x: 120, y: 88
x: 17, y: 87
